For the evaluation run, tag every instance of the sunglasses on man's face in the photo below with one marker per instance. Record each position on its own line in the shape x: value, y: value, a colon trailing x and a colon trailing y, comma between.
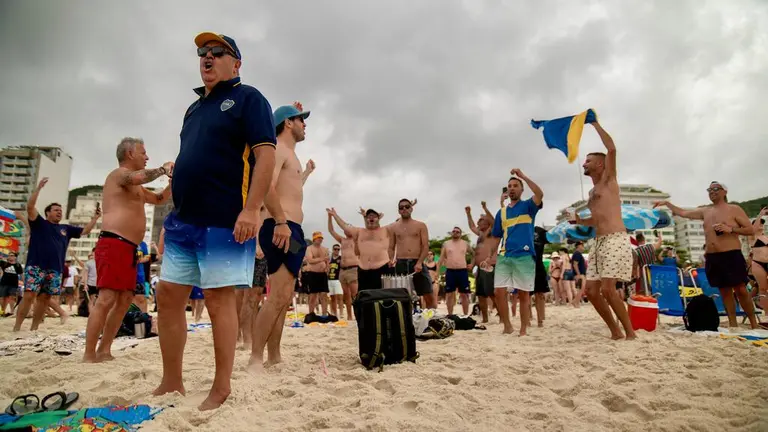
x: 216, y: 51
x: 714, y: 189
x: 404, y: 207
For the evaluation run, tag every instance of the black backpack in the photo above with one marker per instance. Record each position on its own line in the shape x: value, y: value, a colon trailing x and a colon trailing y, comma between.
x: 385, y: 329
x: 467, y: 323
x: 701, y: 314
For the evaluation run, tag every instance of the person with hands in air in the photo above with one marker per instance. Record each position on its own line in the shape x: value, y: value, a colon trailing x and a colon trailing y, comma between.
x: 515, y: 268
x: 349, y: 263
x: 222, y: 173
x: 724, y: 262
x: 484, y: 282
x: 281, y: 236
x: 372, y: 246
x: 48, y: 243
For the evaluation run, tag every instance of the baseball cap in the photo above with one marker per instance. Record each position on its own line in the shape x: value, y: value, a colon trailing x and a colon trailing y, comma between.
x: 286, y: 112
x: 725, y: 188
x: 205, y: 37
x: 317, y: 235
x: 369, y: 211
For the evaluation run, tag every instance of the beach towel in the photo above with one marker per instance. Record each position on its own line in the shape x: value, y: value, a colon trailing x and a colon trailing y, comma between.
x: 113, y: 418
x: 564, y: 133
x: 757, y: 338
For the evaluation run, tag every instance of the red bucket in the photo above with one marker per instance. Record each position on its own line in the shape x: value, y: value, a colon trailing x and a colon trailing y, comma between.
x: 643, y: 312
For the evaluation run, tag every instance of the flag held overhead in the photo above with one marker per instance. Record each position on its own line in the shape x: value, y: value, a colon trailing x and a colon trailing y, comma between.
x: 564, y: 133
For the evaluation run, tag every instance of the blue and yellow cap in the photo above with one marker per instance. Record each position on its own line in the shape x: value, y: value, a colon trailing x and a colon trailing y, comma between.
x: 205, y: 37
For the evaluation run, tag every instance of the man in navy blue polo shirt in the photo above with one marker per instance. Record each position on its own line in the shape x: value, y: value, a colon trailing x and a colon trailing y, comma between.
x: 48, y: 243
x: 220, y: 178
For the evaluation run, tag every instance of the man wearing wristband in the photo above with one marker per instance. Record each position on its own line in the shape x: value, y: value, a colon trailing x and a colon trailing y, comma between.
x: 115, y: 252
x: 221, y: 176
x: 281, y: 237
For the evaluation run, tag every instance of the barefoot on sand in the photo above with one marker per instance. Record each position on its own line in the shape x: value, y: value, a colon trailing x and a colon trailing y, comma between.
x: 214, y: 400
x: 255, y: 366
x: 165, y: 389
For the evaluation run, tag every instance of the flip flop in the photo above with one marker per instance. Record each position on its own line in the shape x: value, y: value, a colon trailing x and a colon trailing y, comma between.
x: 58, y: 401
x: 25, y: 407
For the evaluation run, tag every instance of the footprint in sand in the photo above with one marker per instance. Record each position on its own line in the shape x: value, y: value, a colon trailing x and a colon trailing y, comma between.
x: 566, y: 403
x: 308, y: 381
x: 286, y: 393
x: 410, y: 405
x: 616, y: 404
x: 384, y: 386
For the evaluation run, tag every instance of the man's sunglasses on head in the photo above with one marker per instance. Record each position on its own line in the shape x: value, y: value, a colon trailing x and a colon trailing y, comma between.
x: 216, y: 51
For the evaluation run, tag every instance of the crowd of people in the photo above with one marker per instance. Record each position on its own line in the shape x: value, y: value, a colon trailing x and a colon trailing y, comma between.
x: 235, y: 232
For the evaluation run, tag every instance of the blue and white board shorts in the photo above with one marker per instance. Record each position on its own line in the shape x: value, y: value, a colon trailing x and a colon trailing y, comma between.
x: 205, y: 257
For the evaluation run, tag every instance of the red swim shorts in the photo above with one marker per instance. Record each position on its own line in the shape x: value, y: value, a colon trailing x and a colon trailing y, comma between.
x: 115, y: 263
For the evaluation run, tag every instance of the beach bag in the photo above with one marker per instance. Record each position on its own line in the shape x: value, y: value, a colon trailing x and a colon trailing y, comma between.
x: 438, y: 328
x: 385, y: 330
x: 701, y: 314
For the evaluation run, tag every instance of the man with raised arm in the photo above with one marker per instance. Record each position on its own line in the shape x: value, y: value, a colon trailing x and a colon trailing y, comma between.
x: 349, y: 264
x: 515, y: 267
x: 409, y: 244
x: 48, y: 242
x: 117, y: 262
x: 725, y: 264
x: 281, y: 237
x: 611, y: 259
x: 372, y: 246
x: 484, y: 282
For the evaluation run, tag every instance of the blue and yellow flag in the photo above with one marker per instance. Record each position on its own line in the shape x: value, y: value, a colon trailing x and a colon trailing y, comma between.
x: 564, y: 133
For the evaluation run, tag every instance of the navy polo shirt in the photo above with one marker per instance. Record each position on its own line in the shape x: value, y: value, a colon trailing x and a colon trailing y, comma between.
x: 48, y: 243
x: 215, y: 162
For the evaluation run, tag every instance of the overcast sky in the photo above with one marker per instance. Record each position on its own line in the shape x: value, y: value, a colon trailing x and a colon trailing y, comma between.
x: 420, y: 99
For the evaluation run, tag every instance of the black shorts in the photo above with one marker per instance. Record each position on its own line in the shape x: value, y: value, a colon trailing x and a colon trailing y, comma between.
x: 541, y: 284
x: 8, y: 290
x: 484, y: 283
x: 301, y: 287
x: 457, y: 279
x: 726, y: 269
x: 278, y: 257
x: 70, y: 290
x: 92, y: 290
x: 371, y: 279
x: 260, y: 273
x: 422, y: 283
x: 317, y: 282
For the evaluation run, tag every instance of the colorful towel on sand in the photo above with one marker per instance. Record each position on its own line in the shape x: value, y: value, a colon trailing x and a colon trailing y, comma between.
x: 564, y: 133
x: 200, y: 326
x: 113, y: 418
x: 757, y: 338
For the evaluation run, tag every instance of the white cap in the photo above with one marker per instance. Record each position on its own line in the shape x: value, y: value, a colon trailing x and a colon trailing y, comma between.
x: 725, y: 188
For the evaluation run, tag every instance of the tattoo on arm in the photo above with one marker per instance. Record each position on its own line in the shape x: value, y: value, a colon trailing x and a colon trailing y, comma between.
x: 141, y: 177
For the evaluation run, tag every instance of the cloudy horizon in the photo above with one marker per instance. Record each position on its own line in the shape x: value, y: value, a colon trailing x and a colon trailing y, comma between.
x: 429, y: 100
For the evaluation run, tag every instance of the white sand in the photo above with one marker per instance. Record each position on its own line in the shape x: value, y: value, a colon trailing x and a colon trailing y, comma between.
x: 567, y: 376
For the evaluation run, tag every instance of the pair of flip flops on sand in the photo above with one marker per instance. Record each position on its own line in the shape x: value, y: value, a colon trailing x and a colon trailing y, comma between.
x: 30, y: 403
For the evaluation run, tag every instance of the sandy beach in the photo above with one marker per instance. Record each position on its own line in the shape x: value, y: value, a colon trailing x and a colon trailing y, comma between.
x: 567, y: 376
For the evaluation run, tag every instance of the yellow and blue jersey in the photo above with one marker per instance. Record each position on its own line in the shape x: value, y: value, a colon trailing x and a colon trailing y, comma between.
x: 514, y: 225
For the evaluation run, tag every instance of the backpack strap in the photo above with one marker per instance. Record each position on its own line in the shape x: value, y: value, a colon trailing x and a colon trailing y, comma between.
x: 403, y: 337
x: 377, y: 357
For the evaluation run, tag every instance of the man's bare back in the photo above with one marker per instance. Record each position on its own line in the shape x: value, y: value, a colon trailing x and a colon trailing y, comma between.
x: 605, y: 205
x: 408, y: 235
x: 288, y: 184
x: 721, y: 214
x: 123, y: 207
x: 373, y: 247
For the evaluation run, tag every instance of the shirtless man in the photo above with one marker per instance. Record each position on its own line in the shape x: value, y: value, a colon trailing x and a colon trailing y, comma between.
x: 349, y: 265
x: 484, y: 281
x: 318, y: 261
x: 454, y: 256
x: 611, y: 258
x: 725, y: 264
x: 409, y: 244
x: 281, y: 236
x: 372, y: 246
x: 121, y: 232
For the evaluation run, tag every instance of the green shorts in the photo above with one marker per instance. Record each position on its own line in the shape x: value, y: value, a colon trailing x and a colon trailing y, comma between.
x: 515, y: 273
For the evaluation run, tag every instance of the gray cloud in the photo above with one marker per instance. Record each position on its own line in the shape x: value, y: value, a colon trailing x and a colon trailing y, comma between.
x: 428, y: 99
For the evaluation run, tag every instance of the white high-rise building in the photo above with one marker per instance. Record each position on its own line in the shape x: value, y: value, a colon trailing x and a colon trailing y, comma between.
x: 690, y: 236
x: 637, y: 195
x: 22, y: 168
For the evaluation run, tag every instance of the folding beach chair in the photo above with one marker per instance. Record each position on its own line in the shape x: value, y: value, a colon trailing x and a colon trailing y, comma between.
x: 702, y: 282
x: 665, y: 282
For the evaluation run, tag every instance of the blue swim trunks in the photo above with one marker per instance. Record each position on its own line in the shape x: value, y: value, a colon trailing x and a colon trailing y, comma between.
x: 205, y: 257
x: 277, y: 257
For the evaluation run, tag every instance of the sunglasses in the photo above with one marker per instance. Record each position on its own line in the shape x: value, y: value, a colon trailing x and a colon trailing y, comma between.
x: 404, y: 207
x: 714, y: 189
x: 336, y: 249
x: 216, y: 51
